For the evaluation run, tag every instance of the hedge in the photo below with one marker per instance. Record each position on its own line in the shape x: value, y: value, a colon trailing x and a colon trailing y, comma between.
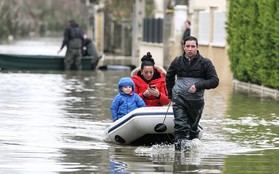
x: 253, y: 38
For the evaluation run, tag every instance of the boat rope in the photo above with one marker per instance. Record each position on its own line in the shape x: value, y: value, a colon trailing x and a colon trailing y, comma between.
x: 166, y: 113
x: 161, y: 127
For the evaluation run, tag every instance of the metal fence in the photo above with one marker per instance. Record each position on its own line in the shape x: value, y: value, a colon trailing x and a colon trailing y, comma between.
x: 153, y: 30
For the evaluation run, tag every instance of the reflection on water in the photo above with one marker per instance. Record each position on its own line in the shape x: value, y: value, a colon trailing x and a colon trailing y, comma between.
x: 53, y: 122
x: 36, y: 46
x: 253, y: 122
x: 50, y: 118
x: 255, y: 162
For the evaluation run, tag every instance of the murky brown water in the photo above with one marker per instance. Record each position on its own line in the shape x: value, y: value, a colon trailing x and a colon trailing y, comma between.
x: 53, y: 122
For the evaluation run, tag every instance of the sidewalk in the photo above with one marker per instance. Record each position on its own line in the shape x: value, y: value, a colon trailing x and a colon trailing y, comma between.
x: 258, y: 90
x: 116, y: 62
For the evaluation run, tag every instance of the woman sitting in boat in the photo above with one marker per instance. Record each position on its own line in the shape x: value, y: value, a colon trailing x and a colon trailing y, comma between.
x: 127, y: 100
x: 150, y: 82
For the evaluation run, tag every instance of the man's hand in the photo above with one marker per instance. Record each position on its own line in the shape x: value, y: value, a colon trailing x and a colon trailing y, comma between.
x: 192, y: 89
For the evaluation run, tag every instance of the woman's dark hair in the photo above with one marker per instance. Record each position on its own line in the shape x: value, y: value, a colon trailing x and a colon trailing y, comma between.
x: 147, y: 60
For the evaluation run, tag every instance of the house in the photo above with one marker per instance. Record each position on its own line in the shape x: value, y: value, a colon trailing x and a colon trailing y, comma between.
x: 208, y: 19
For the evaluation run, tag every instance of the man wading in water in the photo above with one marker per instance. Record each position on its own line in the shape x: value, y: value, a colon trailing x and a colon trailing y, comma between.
x: 194, y: 74
x: 73, y: 38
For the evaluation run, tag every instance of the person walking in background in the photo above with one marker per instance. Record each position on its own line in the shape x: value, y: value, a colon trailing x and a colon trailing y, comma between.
x: 150, y: 82
x: 187, y: 78
x: 187, y: 31
x: 127, y: 100
x: 73, y: 38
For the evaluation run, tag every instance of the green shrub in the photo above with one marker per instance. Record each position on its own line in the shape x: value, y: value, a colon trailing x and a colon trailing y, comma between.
x: 253, y: 38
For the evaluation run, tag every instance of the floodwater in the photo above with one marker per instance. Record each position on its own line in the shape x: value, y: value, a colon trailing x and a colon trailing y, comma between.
x: 53, y: 122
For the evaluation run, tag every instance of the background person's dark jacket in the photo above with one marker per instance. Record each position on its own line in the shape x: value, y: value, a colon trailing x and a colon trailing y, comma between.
x: 89, y: 48
x: 73, y: 37
x: 186, y: 33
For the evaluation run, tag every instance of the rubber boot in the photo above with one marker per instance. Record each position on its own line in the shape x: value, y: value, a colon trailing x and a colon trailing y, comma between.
x: 194, y: 134
x: 177, y: 146
x: 185, y: 144
x: 182, y: 139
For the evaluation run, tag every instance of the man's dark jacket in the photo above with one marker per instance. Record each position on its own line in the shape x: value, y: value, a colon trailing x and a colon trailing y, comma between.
x: 73, y: 37
x: 199, y: 68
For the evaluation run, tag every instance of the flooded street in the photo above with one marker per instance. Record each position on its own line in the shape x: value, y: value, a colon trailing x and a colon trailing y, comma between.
x: 53, y: 122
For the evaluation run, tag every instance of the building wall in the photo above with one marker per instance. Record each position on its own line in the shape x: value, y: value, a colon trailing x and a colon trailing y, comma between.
x: 219, y: 57
x: 156, y: 51
x: 99, y: 34
x: 212, y: 38
x: 206, y: 4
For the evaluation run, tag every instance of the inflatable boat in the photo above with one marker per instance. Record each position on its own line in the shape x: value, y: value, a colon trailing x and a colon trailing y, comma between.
x: 143, y: 126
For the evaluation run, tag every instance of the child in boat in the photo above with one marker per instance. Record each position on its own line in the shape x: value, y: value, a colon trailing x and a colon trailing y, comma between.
x: 127, y: 100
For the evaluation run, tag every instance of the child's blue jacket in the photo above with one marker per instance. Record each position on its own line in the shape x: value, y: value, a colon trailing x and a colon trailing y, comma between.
x: 124, y: 103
